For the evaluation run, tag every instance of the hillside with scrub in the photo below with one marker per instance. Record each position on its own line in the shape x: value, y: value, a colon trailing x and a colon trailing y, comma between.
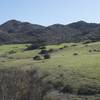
x: 15, y: 32
x: 67, y: 71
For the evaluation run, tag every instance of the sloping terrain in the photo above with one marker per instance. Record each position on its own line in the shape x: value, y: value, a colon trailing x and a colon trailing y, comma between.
x: 71, y: 73
x: 23, y: 32
x: 90, y: 30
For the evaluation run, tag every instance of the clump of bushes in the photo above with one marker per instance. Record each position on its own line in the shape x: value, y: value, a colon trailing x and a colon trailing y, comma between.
x: 88, y: 90
x: 59, y: 66
x: 61, y: 48
x: 65, y: 46
x: 33, y: 46
x: 43, y: 51
x: 12, y: 52
x: 43, y: 47
x: 67, y: 89
x: 73, y: 45
x: 50, y: 50
x: 58, y: 85
x: 94, y: 50
x: 47, y: 56
x: 36, y: 45
x: 46, y: 53
x: 42, y: 54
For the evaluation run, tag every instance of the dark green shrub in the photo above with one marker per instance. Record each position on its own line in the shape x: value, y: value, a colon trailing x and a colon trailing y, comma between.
x: 65, y: 46
x: 46, y: 56
x: 33, y: 47
x: 88, y: 90
x: 75, y: 54
x: 58, y: 85
x: 90, y: 50
x: 43, y: 47
x: 61, y: 75
x: 67, y: 89
x: 59, y: 66
x: 94, y: 50
x: 61, y: 48
x: 37, y: 58
x: 12, y: 52
x: 50, y: 50
x: 73, y: 45
x: 43, y: 52
x: 36, y: 45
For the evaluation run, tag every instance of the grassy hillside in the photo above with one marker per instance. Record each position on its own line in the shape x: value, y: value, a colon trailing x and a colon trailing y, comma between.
x: 72, y: 65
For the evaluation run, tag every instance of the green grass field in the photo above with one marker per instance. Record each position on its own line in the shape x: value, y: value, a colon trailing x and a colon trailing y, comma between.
x: 63, y: 67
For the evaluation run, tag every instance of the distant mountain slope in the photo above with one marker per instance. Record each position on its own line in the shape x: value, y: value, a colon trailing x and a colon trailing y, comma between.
x: 14, y: 26
x: 84, y: 26
x: 60, y: 33
x: 14, y: 31
x: 90, y: 30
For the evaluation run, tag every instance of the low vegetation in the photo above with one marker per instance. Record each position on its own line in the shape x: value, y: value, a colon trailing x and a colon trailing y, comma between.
x: 65, y: 71
x: 37, y: 58
x: 36, y: 45
x: 46, y: 56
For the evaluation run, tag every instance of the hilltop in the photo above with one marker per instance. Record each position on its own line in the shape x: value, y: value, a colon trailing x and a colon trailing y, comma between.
x: 14, y: 31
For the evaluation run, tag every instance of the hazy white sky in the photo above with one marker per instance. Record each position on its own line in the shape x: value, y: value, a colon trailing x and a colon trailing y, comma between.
x: 47, y: 12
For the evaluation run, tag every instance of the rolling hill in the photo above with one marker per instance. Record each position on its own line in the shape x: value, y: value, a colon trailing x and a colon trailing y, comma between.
x: 14, y: 31
x: 71, y: 73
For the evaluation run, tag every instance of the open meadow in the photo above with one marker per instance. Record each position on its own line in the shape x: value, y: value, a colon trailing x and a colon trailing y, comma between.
x: 73, y: 66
